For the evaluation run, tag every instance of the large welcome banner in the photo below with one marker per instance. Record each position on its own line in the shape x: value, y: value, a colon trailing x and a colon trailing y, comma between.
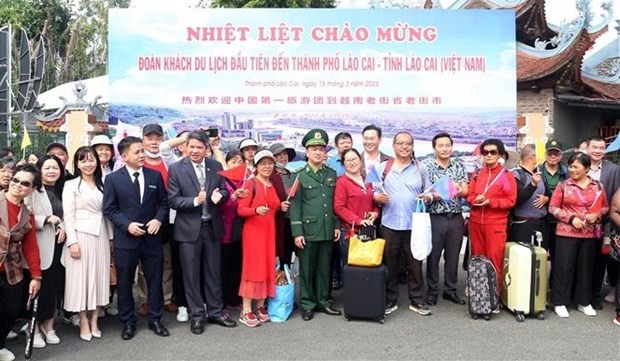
x: 273, y: 74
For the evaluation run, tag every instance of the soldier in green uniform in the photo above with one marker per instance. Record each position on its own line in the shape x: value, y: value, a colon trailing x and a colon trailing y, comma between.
x: 315, y: 226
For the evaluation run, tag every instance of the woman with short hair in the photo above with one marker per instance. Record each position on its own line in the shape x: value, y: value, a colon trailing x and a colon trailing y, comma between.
x: 46, y: 205
x: 18, y: 239
x: 579, y: 203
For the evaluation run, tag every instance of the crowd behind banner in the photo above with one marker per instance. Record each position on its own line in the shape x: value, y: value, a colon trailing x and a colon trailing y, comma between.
x: 205, y: 235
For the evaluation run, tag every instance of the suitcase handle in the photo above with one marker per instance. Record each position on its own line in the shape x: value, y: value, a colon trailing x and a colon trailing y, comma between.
x: 507, y: 280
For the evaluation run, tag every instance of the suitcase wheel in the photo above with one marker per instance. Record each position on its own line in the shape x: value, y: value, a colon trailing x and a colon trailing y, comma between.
x: 520, y: 317
x: 347, y: 317
x: 487, y: 317
x: 381, y: 321
x: 475, y: 317
x: 540, y: 316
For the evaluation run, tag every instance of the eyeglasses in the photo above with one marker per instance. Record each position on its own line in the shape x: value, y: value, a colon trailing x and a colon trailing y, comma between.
x: 485, y: 152
x: 404, y: 144
x: 553, y: 153
x: 351, y: 161
x: 26, y: 184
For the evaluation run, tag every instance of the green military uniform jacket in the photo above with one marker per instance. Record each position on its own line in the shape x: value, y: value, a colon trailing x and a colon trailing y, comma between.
x: 312, y: 208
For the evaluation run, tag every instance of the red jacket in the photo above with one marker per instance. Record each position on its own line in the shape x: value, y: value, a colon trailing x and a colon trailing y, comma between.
x: 351, y: 202
x: 499, y: 187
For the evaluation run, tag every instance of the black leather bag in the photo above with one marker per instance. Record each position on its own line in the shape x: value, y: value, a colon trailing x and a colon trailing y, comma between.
x: 367, y: 233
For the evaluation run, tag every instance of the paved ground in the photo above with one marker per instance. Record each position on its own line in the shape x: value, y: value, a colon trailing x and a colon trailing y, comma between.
x: 448, y: 334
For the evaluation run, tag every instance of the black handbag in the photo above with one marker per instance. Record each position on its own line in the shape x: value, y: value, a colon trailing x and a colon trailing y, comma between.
x: 367, y: 233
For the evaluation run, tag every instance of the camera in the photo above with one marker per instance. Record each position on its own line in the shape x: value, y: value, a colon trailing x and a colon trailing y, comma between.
x: 212, y: 132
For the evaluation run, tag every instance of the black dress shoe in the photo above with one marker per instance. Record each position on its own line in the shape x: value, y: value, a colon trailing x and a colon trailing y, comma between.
x: 197, y: 327
x: 159, y: 329
x: 223, y: 321
x: 431, y: 300
x: 328, y: 310
x: 453, y: 298
x: 307, y: 315
x: 128, y: 332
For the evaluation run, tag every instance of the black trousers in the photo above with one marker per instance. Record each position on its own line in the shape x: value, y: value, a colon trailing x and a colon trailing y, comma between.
x: 549, y: 242
x: 178, y: 290
x: 523, y: 230
x: 11, y: 304
x: 397, y: 244
x: 202, y: 273
x: 574, y: 261
x: 52, y: 286
x: 231, y: 273
x: 447, y: 230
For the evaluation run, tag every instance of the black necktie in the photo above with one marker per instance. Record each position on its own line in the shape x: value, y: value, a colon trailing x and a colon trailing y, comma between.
x: 136, y: 185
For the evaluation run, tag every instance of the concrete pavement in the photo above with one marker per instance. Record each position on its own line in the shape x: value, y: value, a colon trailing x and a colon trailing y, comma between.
x: 449, y: 333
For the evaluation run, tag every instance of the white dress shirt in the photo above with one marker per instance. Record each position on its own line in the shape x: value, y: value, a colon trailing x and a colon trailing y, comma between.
x: 140, y: 179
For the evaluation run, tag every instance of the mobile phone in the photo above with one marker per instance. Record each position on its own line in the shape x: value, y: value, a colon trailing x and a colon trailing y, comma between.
x: 212, y: 132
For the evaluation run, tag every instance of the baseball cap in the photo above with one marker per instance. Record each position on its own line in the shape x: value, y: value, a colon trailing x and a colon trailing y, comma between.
x: 56, y: 145
x: 152, y: 128
x: 553, y: 144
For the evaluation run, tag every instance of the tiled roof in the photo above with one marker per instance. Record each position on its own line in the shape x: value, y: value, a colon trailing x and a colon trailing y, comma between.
x: 606, y: 90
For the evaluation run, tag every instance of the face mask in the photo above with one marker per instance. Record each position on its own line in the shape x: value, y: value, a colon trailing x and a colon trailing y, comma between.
x: 280, y: 165
x: 152, y: 155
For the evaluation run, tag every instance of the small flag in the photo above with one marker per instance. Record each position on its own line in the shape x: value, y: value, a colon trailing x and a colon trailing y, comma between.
x: 446, y: 188
x: 236, y: 174
x: 293, y: 190
x: 540, y: 151
x: 26, y: 138
x: 613, y: 146
x: 372, y: 176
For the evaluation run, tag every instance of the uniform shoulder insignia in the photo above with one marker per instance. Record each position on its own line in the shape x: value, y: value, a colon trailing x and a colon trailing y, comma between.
x: 298, y: 170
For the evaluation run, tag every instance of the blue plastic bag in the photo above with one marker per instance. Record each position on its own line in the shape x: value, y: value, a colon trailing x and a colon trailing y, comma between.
x: 280, y: 307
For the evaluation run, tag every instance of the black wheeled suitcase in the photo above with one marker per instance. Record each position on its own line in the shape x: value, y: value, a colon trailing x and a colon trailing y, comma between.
x: 482, y: 291
x: 364, y: 292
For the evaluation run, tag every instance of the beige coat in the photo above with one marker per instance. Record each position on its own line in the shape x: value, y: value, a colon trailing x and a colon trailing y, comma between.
x: 39, y: 205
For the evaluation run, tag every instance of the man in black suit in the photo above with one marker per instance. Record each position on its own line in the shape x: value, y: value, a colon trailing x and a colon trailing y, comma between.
x: 135, y: 201
x: 607, y: 173
x: 196, y: 191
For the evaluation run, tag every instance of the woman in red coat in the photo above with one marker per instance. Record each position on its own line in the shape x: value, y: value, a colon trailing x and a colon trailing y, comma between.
x: 353, y: 199
x: 258, y: 240
x: 492, y: 193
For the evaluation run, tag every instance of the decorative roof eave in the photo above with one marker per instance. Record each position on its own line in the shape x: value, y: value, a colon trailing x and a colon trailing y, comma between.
x: 54, y: 125
x: 489, y: 4
x: 606, y: 90
x: 532, y: 22
x: 568, y: 32
x: 583, y: 101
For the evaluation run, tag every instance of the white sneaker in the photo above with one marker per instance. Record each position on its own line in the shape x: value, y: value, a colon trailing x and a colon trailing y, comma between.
x: 587, y: 310
x: 73, y: 320
x: 12, y: 336
x: 111, y: 310
x: 6, y: 355
x: 100, y: 312
x: 561, y: 311
x: 182, y: 315
x: 611, y: 297
x: 38, y: 341
x: 24, y: 329
x: 51, y: 337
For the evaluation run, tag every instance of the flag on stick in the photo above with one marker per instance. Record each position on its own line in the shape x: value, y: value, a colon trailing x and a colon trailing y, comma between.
x: 236, y: 174
x: 26, y: 139
x: 293, y: 190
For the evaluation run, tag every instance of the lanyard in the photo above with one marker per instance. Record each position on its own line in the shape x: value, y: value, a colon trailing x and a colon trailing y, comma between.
x: 486, y: 188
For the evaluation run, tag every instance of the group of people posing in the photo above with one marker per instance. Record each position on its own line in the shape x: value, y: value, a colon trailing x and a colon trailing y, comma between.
x: 202, y: 230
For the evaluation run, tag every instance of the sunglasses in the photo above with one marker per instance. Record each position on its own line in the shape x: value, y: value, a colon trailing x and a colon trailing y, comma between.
x: 26, y: 184
x: 491, y: 152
